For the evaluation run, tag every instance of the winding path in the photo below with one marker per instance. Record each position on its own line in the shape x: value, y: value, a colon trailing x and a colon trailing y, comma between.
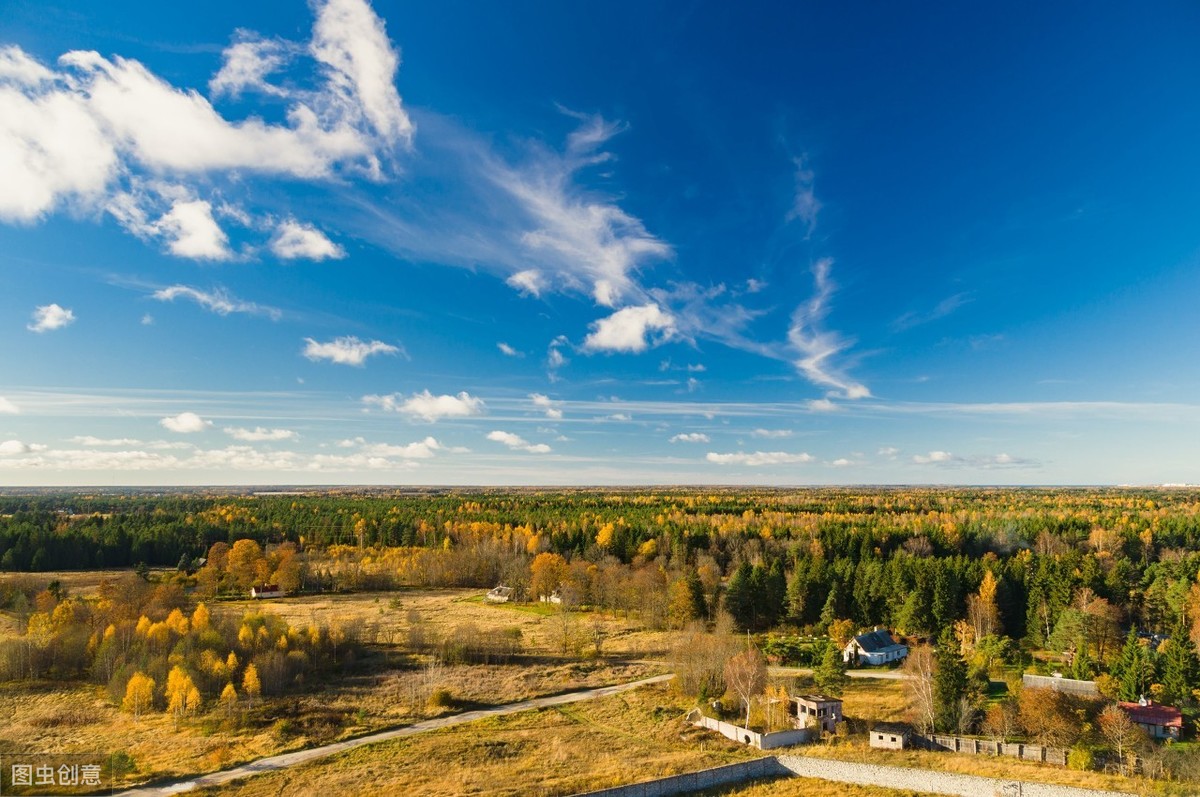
x: 286, y: 760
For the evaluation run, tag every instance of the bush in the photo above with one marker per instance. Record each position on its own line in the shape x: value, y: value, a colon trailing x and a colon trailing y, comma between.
x: 1081, y: 759
x: 441, y: 698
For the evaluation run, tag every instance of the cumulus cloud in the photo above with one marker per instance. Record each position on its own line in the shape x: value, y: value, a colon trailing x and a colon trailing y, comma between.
x: 15, y: 448
x: 49, y: 317
x: 518, y: 443
x: 772, y: 434
x: 295, y: 240
x: 7, y: 407
x: 627, y: 330
x: 547, y: 405
x: 818, y: 348
x: 347, y: 350
x: 84, y: 132
x: 429, y: 407
x: 185, y: 423
x: 259, y: 434
x: 690, y: 437
x: 758, y: 458
x: 217, y: 300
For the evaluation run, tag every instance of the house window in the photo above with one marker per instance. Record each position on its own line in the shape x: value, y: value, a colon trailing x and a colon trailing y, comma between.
x: 893, y: 738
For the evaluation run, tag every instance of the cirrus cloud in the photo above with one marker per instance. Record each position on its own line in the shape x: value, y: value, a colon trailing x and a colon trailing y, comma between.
x: 759, y: 458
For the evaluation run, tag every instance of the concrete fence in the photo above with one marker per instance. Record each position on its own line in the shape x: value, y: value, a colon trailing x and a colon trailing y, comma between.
x: 968, y: 744
x: 697, y: 781
x: 902, y: 778
x: 763, y: 741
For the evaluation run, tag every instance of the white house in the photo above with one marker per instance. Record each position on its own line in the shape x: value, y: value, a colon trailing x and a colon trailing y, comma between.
x: 266, y: 591
x: 874, y: 647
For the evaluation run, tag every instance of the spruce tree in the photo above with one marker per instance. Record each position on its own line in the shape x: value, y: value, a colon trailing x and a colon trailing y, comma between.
x: 739, y: 596
x: 830, y: 675
x: 949, y: 683
x: 1179, y: 667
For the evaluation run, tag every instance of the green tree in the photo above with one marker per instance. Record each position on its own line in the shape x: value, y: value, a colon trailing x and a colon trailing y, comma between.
x: 830, y: 674
x: 739, y: 596
x: 1179, y: 667
x: 1134, y: 669
x: 949, y: 683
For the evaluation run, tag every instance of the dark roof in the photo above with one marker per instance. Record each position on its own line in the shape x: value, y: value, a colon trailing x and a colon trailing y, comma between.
x: 1153, y: 714
x: 892, y: 728
x: 875, y: 641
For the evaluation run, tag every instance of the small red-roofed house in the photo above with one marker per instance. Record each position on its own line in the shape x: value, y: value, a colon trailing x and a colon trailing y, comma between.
x: 1159, y: 721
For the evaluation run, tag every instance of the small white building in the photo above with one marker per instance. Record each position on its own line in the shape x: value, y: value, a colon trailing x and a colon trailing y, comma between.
x: 500, y: 594
x: 874, y: 648
x: 888, y: 736
x: 266, y: 591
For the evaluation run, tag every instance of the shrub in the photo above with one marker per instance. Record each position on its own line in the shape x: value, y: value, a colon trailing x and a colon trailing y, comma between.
x: 441, y: 698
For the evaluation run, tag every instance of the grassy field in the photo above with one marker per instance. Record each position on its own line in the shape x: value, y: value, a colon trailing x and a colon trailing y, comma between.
x: 806, y: 787
x: 79, y: 717
x: 627, y: 738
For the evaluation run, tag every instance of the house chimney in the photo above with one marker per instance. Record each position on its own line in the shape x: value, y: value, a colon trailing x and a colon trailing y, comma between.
x: 1142, y: 701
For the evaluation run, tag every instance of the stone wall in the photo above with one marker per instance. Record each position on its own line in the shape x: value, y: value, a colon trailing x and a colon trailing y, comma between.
x: 968, y: 744
x: 763, y: 741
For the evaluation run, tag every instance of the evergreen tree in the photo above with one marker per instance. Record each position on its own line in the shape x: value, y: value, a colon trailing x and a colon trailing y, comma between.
x: 797, y: 592
x: 949, y: 683
x: 696, y: 589
x: 1179, y: 667
x: 830, y: 675
x: 739, y: 596
x: 1134, y: 669
x: 774, y: 594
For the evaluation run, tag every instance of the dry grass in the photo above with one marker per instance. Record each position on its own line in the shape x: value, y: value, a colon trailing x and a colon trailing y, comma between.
x: 379, y: 696
x: 806, y: 787
x: 626, y: 738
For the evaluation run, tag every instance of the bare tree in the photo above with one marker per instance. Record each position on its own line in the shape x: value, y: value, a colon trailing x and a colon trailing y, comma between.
x: 918, y: 688
x: 1121, y: 733
x: 746, y: 676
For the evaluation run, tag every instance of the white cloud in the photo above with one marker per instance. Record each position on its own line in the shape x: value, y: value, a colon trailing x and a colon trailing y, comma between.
x: 690, y: 437
x: 805, y: 204
x: 89, y: 440
x: 823, y: 405
x: 817, y: 347
x: 191, y: 231
x: 626, y: 330
x: 547, y: 405
x: 842, y: 462
x: 423, y: 449
x: 508, y: 351
x: 758, y: 458
x: 429, y: 407
x: 889, y: 451
x: 82, y: 132
x: 555, y: 358
x: 943, y: 308
x: 185, y: 423
x: 933, y: 457
x: 258, y: 434
x: 529, y: 282
x: 346, y: 350
x: 619, y: 416
x: 7, y: 407
x: 147, y: 320
x: 295, y: 240
x: 15, y: 448
x: 772, y: 434
x: 984, y: 461
x: 50, y: 317
x: 518, y: 443
x: 350, y: 40
x: 218, y: 301
x: 247, y: 63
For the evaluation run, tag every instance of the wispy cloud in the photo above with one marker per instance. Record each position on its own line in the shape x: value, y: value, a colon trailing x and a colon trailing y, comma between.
x: 348, y: 350
x: 948, y: 460
x: 759, y: 458
x: 7, y: 407
x: 819, y: 348
x: 771, y: 434
x: 50, y: 317
x: 690, y: 437
x: 942, y: 309
x: 258, y: 434
x: 218, y: 301
x: 546, y: 405
x: 805, y: 204
x: 509, y: 351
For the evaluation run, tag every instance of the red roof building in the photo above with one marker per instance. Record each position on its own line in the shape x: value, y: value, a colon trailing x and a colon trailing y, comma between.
x: 1161, y: 722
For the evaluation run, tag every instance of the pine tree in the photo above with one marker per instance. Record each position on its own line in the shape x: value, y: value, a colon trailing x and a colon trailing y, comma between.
x: 739, y: 596
x: 949, y: 683
x: 830, y: 675
x: 696, y: 588
x: 774, y: 593
x: 1179, y: 667
x: 797, y: 592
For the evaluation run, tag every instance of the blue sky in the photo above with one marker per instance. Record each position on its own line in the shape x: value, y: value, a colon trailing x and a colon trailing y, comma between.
x: 633, y: 243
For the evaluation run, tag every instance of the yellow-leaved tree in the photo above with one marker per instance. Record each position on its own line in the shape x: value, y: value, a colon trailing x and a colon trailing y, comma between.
x: 139, y: 693
x: 180, y: 699
x: 250, y: 683
x: 229, y: 698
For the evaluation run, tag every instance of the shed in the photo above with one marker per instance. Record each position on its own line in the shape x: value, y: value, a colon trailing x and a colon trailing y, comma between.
x: 824, y: 712
x: 266, y: 591
x: 500, y: 594
x: 890, y: 736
